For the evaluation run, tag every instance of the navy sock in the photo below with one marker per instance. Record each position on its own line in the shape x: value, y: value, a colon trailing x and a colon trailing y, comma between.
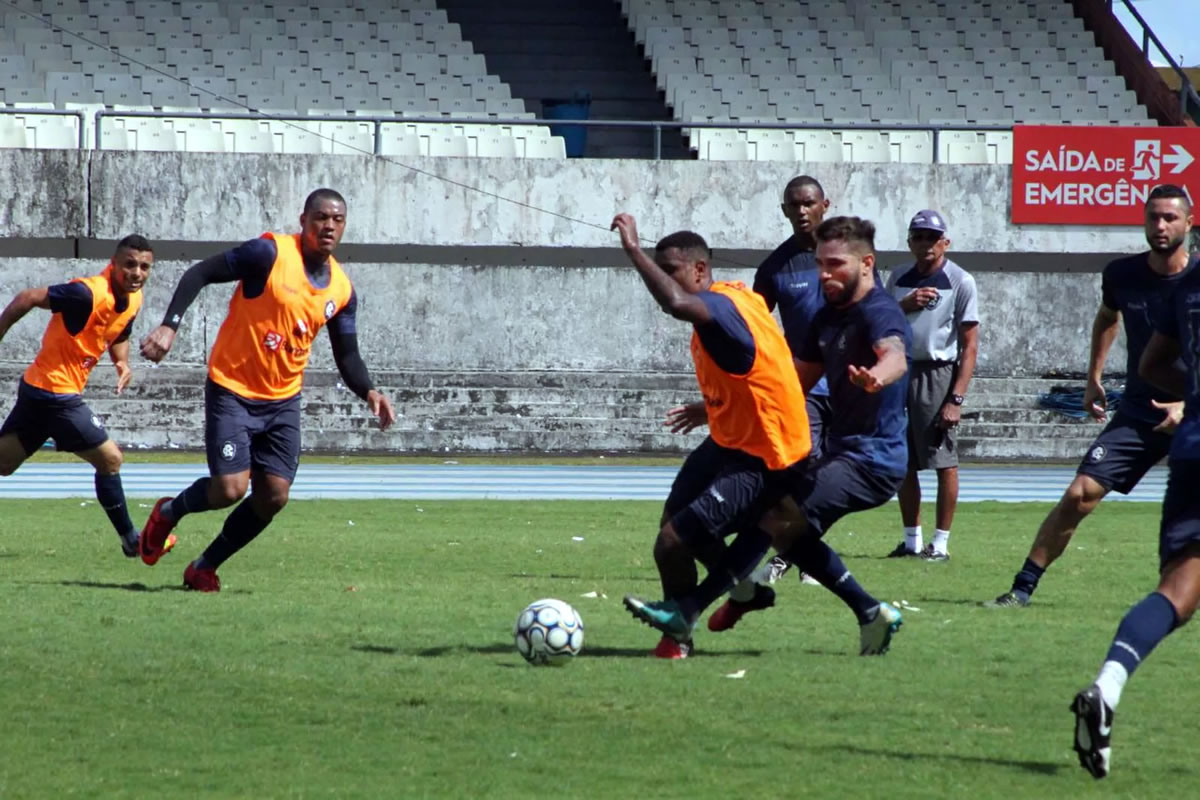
x: 1026, y: 581
x: 738, y: 561
x: 239, y: 530
x: 818, y: 560
x: 190, y: 500
x: 1142, y: 628
x: 111, y: 495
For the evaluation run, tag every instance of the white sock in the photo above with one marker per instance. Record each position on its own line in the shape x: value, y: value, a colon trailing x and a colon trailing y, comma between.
x: 941, y: 538
x: 1111, y: 681
x: 743, y: 592
x: 913, y: 539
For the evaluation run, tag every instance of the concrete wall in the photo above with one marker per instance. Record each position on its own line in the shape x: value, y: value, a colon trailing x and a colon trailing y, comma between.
x: 216, y: 197
x: 443, y: 317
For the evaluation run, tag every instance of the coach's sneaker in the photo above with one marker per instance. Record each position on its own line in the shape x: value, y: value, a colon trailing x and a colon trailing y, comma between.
x: 664, y: 615
x: 876, y: 635
x: 156, y: 539
x: 1093, y: 731
x: 672, y: 649
x: 902, y: 551
x: 1008, y: 600
x: 201, y: 580
x: 931, y: 553
x: 728, y: 615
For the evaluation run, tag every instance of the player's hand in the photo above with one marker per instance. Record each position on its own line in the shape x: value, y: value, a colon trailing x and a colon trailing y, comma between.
x: 124, y: 375
x: 1174, y: 415
x: 626, y: 226
x: 949, y: 416
x: 158, y: 343
x: 864, y: 379
x: 1095, y: 402
x: 685, y: 419
x: 381, y: 407
x: 918, y: 298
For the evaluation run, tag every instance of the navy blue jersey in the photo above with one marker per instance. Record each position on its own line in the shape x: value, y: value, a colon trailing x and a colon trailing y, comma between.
x: 1180, y: 320
x: 726, y: 337
x: 1141, y: 295
x: 871, y: 428
x: 788, y: 278
x: 251, y: 262
x: 74, y: 302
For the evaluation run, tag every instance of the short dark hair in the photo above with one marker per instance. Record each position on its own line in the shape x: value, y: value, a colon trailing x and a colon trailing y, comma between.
x: 800, y: 181
x: 1169, y: 191
x: 852, y: 230
x: 685, y: 241
x: 134, y: 242
x: 322, y: 194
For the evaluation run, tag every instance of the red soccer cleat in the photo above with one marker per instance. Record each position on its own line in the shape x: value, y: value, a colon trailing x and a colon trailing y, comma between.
x: 669, y: 648
x: 728, y: 615
x: 201, y: 580
x: 156, y: 539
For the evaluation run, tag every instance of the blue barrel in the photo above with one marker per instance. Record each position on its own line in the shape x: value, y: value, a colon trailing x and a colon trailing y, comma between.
x: 579, y: 106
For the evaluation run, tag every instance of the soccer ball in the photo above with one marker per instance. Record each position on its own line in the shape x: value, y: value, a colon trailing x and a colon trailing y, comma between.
x: 548, y: 631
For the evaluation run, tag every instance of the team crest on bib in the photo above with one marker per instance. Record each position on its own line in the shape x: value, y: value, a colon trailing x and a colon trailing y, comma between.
x: 1097, y: 454
x: 228, y: 451
x: 329, y: 309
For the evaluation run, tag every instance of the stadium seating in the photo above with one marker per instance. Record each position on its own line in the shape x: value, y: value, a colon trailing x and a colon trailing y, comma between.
x: 226, y: 56
x: 878, y: 63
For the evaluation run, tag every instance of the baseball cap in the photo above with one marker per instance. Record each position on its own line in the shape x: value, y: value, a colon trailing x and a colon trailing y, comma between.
x: 928, y: 220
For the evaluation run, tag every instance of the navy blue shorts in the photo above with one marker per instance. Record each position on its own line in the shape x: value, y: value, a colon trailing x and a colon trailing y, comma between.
x: 1181, y: 511
x: 242, y: 434
x: 718, y: 489
x: 1123, y: 453
x: 820, y: 412
x: 837, y: 485
x: 40, y: 415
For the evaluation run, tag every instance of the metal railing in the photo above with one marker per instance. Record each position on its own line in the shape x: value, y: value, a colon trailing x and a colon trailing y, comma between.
x: 1189, y: 101
x: 655, y: 127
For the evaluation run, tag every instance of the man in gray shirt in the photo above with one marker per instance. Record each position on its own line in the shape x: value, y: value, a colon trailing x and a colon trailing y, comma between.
x: 938, y: 297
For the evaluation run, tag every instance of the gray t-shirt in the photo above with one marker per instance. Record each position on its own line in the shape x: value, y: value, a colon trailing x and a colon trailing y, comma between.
x: 935, y: 327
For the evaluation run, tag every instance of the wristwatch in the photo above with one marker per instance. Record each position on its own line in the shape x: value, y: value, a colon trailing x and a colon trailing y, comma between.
x: 957, y: 399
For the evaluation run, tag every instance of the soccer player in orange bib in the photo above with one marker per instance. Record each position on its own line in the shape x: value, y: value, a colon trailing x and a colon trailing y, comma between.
x: 88, y: 316
x: 289, y: 287
x: 758, y: 433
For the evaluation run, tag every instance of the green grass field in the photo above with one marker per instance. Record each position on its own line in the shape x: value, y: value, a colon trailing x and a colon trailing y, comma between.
x: 375, y: 660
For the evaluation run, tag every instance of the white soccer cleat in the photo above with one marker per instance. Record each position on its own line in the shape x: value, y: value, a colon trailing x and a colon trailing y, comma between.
x: 876, y: 635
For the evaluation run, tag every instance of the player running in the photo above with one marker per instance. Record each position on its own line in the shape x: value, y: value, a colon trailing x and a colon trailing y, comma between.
x: 289, y: 287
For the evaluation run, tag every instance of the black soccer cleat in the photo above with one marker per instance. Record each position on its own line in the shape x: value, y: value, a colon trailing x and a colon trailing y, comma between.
x: 1093, y: 731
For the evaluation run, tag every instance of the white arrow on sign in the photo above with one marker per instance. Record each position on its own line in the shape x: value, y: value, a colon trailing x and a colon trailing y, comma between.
x: 1181, y: 159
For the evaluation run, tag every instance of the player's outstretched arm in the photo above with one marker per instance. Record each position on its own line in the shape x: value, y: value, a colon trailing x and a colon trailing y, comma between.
x: 344, y: 340
x: 1104, y: 333
x: 686, y: 418
x: 253, y: 257
x: 25, y: 301
x: 669, y: 295
x: 890, y: 365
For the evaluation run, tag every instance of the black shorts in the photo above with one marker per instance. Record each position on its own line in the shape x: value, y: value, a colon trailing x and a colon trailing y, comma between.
x: 1180, y: 525
x: 837, y: 485
x: 820, y: 412
x: 1123, y: 453
x: 241, y: 434
x: 719, y: 489
x: 40, y: 415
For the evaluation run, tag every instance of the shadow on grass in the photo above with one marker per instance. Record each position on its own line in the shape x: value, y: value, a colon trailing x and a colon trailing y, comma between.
x: 491, y: 649
x: 133, y: 586
x: 556, y: 576
x: 1038, y: 767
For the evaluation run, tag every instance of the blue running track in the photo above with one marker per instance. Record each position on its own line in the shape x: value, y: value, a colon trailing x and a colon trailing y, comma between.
x: 486, y: 482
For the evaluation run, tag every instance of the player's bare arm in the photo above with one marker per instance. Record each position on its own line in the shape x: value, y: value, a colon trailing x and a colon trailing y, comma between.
x: 890, y: 365
x: 1104, y: 333
x: 119, y: 353
x: 25, y: 301
x: 810, y: 373
x: 669, y: 295
x: 968, y: 349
